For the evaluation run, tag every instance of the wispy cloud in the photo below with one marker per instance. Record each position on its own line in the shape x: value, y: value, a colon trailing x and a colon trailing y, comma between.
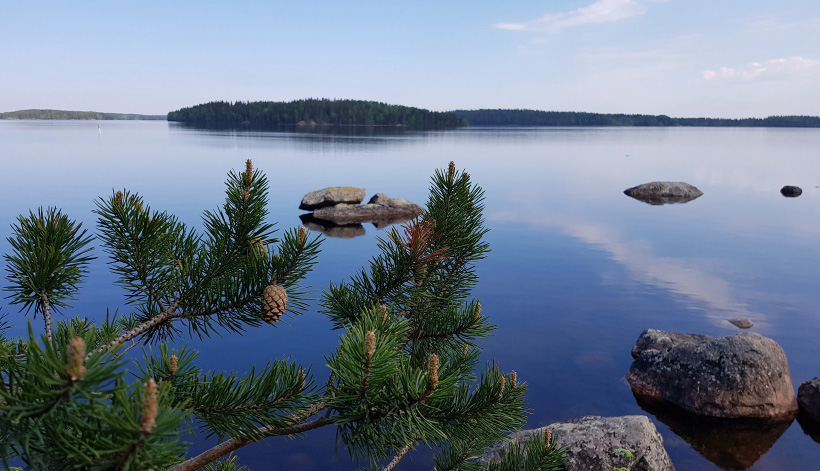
x: 784, y: 67
x: 602, y: 11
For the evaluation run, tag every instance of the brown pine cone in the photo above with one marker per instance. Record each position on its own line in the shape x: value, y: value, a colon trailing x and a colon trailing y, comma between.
x: 274, y: 302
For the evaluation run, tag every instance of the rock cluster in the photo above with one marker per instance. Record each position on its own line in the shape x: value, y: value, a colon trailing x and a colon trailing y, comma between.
x: 341, y: 206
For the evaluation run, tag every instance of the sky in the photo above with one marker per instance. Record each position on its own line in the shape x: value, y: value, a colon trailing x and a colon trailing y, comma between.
x: 682, y: 58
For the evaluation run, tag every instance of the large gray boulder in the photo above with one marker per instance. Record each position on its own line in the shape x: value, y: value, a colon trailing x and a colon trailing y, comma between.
x: 658, y: 193
x: 598, y: 443
x: 808, y: 397
x: 744, y: 375
x: 331, y: 196
x: 381, y: 207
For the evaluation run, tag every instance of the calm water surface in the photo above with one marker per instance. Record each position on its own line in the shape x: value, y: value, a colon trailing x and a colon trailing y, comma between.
x: 577, y: 270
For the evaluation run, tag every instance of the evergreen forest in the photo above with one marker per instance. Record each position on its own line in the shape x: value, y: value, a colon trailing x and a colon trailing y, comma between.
x: 574, y: 118
x: 314, y: 112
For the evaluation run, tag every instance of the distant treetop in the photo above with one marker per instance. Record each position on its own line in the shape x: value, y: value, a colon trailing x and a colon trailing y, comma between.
x: 310, y: 112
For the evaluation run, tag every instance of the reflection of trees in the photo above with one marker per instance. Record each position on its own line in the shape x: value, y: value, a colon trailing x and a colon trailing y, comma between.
x: 732, y: 444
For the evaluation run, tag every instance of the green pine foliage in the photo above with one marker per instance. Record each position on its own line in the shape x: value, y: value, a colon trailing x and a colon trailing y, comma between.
x: 313, y: 112
x: 404, y: 375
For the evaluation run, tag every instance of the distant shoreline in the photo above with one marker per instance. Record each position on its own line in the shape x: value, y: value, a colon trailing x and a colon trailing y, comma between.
x: 79, y: 115
x: 321, y: 113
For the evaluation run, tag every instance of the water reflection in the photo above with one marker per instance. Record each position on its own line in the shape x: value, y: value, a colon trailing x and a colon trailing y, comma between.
x: 732, y: 444
x: 345, y: 231
x: 809, y: 426
x: 658, y: 200
x: 331, y: 229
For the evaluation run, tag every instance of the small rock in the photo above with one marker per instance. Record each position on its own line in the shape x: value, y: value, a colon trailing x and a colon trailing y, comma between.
x: 595, y: 443
x: 808, y: 396
x: 331, y: 196
x: 658, y: 193
x: 791, y: 191
x: 744, y: 375
x: 742, y: 323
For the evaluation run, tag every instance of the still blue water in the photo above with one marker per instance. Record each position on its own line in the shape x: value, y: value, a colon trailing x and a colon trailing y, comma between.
x: 577, y: 269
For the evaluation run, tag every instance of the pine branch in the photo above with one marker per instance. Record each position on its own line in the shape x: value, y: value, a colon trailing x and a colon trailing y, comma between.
x: 234, y: 444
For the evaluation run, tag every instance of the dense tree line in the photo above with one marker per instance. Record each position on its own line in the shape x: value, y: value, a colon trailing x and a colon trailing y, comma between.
x: 63, y: 114
x: 573, y: 118
x: 314, y: 111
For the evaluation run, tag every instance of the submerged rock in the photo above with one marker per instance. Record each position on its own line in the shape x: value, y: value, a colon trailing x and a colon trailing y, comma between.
x: 744, y: 375
x: 331, y: 196
x: 791, y: 191
x: 658, y: 193
x: 808, y: 397
x: 597, y: 443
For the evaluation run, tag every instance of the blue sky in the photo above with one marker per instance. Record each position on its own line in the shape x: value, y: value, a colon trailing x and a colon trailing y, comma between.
x: 719, y: 58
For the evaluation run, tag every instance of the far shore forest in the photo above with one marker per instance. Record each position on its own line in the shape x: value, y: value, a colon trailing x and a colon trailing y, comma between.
x: 326, y: 112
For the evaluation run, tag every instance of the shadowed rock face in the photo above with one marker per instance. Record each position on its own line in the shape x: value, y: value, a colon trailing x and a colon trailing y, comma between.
x: 732, y: 444
x: 744, y: 375
x: 790, y: 191
x: 659, y: 193
x: 808, y: 397
x: 590, y: 441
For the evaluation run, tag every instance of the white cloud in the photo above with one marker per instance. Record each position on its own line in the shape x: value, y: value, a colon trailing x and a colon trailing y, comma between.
x: 783, y: 67
x: 602, y: 11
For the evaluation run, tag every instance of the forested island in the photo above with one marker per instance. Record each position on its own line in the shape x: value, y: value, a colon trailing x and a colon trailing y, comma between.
x: 314, y: 112
x: 63, y: 114
x: 573, y: 118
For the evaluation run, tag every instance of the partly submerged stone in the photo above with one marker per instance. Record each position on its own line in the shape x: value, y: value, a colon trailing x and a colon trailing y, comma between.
x: 331, y: 196
x: 744, y: 375
x: 791, y: 191
x: 658, y: 193
x: 602, y: 443
x: 381, y: 207
x: 742, y: 323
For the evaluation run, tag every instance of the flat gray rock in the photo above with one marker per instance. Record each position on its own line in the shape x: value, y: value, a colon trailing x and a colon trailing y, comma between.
x: 331, y: 196
x: 381, y: 207
x: 744, y: 375
x: 597, y: 443
x: 658, y: 193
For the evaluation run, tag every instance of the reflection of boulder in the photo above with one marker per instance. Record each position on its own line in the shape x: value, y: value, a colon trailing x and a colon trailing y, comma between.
x: 380, y: 208
x: 590, y: 443
x: 658, y: 193
x: 331, y: 229
x: 732, y: 444
x: 809, y: 426
x: 743, y: 375
x: 791, y: 191
x: 331, y: 196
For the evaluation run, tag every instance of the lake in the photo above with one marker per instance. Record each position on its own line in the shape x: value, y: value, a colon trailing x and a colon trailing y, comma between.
x: 577, y: 270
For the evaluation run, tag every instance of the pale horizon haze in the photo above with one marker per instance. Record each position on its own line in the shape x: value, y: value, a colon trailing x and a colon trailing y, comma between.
x: 682, y: 58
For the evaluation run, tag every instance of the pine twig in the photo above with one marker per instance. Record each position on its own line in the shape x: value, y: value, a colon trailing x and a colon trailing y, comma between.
x: 234, y: 444
x: 399, y: 455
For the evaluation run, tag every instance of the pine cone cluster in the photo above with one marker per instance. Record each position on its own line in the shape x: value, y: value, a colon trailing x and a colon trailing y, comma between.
x: 274, y: 302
